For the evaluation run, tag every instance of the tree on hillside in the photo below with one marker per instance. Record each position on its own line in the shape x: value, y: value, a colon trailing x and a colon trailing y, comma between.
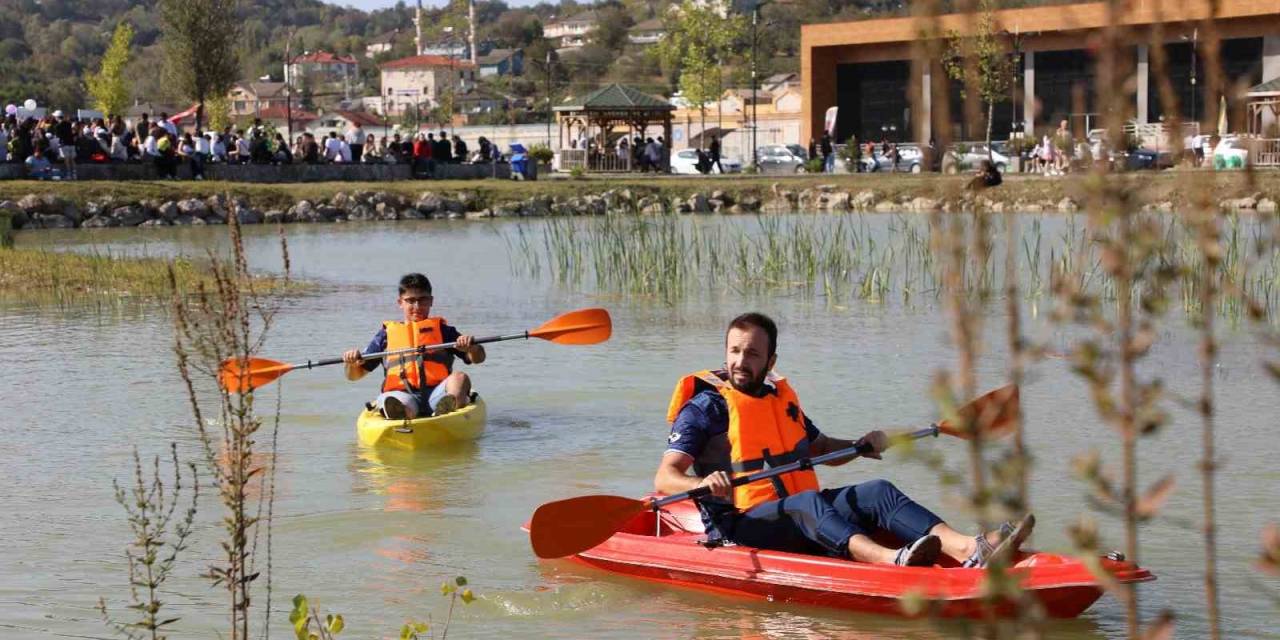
x: 611, y: 30
x: 697, y: 43
x: 201, y: 40
x: 108, y: 87
x: 982, y: 64
x: 699, y: 80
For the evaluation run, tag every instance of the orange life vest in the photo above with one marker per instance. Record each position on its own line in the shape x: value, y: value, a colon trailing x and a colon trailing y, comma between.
x: 763, y: 433
x: 410, y: 372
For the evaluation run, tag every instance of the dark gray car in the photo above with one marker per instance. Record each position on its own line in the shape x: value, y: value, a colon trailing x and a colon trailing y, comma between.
x: 777, y: 158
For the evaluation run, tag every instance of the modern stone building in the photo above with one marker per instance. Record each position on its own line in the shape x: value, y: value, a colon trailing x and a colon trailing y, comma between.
x: 866, y: 68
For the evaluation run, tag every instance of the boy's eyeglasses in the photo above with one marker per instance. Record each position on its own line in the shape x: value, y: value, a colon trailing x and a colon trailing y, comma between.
x: 417, y: 300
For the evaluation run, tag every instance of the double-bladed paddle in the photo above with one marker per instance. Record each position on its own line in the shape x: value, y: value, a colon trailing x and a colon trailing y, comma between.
x: 584, y: 326
x: 568, y: 527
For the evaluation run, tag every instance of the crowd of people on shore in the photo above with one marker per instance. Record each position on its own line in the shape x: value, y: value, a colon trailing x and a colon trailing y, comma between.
x: 54, y: 145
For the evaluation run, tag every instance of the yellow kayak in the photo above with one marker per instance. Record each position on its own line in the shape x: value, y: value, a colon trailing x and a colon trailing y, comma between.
x: 462, y: 425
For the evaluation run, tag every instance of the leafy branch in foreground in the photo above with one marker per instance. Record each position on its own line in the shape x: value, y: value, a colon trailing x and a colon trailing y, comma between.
x: 231, y: 319
x: 158, y: 538
x: 309, y: 625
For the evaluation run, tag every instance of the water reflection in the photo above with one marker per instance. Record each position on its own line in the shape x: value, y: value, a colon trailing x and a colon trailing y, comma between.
x: 417, y: 481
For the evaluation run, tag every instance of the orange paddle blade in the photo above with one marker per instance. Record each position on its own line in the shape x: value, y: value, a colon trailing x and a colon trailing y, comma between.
x: 569, y: 527
x: 584, y: 326
x: 994, y: 414
x: 242, y: 375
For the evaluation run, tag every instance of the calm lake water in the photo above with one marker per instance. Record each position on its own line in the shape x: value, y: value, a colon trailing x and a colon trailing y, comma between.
x: 372, y: 534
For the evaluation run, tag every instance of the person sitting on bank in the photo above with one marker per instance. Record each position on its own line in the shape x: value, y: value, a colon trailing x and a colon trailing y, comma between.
x: 414, y: 385
x: 987, y: 176
x: 745, y: 418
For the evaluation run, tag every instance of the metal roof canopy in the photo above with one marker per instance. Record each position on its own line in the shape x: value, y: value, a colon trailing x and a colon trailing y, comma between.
x: 617, y: 98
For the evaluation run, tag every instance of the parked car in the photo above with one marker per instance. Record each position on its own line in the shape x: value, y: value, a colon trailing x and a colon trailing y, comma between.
x: 799, y: 151
x: 973, y: 157
x: 910, y: 160
x: 685, y: 162
x: 1231, y: 153
x: 777, y: 158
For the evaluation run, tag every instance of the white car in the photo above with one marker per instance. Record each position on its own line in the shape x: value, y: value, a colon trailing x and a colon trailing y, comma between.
x: 970, y: 160
x: 1231, y: 153
x: 685, y: 162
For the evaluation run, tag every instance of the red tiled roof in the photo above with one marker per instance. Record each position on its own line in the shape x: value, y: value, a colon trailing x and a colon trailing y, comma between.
x: 282, y: 113
x: 324, y: 57
x: 418, y: 62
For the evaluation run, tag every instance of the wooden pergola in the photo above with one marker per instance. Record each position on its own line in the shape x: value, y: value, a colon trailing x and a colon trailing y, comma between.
x: 601, y: 119
x: 1263, y: 115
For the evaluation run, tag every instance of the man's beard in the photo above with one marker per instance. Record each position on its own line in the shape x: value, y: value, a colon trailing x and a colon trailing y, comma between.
x: 752, y: 387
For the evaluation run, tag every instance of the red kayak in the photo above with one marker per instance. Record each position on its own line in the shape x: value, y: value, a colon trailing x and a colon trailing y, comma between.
x: 666, y: 547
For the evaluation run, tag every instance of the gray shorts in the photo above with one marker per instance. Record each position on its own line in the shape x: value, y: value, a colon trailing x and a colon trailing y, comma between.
x: 411, y: 400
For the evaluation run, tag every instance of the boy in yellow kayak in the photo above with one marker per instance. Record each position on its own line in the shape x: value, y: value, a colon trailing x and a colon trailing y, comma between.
x: 417, y: 386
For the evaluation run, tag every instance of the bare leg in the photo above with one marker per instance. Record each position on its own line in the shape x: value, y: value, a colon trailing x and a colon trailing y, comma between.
x: 958, y: 545
x: 458, y: 385
x: 864, y: 549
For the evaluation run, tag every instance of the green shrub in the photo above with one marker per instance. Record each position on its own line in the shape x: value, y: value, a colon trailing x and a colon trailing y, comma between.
x: 541, y: 153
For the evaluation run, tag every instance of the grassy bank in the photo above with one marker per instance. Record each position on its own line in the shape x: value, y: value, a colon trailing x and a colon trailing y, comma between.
x: 60, y: 276
x: 1156, y: 187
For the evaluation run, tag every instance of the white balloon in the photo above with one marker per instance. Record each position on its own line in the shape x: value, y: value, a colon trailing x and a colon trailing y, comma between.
x: 29, y: 105
x: 10, y: 109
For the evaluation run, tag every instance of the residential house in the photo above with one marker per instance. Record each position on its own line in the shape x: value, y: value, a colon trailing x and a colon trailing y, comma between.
x: 250, y: 98
x: 381, y: 44
x: 482, y: 100
x: 418, y: 81
x: 741, y: 100
x: 779, y: 81
x: 502, y: 62
x: 651, y: 31
x: 344, y: 121
x: 285, y: 120
x: 321, y: 67
x: 572, y: 32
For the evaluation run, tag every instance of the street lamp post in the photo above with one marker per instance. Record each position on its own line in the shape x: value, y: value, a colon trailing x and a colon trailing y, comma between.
x: 755, y: 122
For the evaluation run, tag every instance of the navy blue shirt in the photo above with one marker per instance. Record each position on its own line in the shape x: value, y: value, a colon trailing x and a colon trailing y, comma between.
x: 447, y: 334
x: 703, y: 417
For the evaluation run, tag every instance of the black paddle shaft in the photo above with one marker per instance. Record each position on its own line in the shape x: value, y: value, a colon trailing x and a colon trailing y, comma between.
x: 422, y: 349
x: 798, y: 465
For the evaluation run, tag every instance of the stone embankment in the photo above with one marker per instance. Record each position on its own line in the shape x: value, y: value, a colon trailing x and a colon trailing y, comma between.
x: 51, y: 211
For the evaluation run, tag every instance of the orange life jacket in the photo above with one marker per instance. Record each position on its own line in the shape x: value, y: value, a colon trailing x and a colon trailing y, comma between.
x: 408, y: 373
x: 763, y: 433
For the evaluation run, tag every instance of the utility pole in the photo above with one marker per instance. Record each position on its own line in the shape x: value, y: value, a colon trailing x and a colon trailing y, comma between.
x: 755, y: 124
x: 288, y: 87
x: 549, y: 99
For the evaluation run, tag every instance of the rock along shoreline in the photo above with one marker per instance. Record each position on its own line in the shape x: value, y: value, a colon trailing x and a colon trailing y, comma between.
x: 54, y: 211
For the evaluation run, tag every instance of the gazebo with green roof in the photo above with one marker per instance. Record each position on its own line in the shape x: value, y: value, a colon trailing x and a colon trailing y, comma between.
x: 1263, y: 115
x: 603, y: 118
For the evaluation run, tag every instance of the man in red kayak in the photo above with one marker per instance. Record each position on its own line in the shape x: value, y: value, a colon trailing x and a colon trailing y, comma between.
x: 417, y: 386
x: 743, y: 419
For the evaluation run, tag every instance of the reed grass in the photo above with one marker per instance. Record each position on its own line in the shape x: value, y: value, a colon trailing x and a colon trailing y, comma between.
x: 841, y: 257
x: 66, y: 277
